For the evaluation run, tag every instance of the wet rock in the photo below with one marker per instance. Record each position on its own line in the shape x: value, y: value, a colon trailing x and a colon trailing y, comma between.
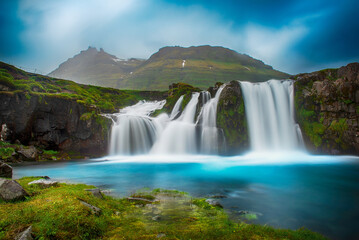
x: 25, y: 235
x: 95, y: 210
x: 96, y: 192
x: 4, y: 134
x: 161, y: 235
x: 213, y: 203
x: 218, y: 196
x: 45, y: 183
x: 5, y: 170
x: 28, y: 153
x: 10, y: 190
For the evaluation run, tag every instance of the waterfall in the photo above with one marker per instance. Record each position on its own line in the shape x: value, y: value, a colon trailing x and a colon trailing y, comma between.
x: 208, y: 120
x: 179, y: 136
x: 176, y: 108
x: 133, y: 131
x: 269, y: 110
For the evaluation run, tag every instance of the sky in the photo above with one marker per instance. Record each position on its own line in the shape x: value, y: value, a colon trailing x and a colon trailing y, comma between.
x: 293, y: 36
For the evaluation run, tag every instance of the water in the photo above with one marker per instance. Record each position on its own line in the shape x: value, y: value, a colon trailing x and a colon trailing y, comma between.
x: 270, y: 115
x: 288, y: 190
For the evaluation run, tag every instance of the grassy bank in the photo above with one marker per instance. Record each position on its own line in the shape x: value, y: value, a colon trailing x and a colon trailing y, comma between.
x: 57, y: 213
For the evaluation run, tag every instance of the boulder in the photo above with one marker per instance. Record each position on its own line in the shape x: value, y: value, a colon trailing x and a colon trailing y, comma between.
x: 213, y: 203
x: 25, y: 235
x: 95, y: 210
x: 44, y: 183
x: 28, y: 153
x: 96, y: 192
x: 10, y: 190
x: 5, y: 170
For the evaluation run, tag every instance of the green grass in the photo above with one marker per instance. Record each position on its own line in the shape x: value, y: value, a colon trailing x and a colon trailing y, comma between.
x: 104, y: 99
x: 56, y: 213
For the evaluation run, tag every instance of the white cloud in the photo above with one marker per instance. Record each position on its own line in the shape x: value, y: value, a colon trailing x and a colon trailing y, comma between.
x: 56, y: 30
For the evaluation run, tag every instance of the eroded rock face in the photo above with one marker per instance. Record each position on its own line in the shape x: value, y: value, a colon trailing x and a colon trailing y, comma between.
x: 54, y: 122
x: 29, y: 154
x: 327, y: 109
x: 5, y: 170
x: 232, y: 120
x: 10, y: 190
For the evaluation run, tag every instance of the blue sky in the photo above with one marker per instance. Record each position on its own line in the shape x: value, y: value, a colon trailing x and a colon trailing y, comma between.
x: 291, y: 35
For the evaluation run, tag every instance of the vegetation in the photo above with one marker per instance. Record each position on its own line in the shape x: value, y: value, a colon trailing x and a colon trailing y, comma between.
x: 104, y: 99
x: 204, y: 66
x: 56, y: 213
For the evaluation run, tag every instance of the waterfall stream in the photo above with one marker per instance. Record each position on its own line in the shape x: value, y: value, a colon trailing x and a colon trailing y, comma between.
x: 269, y: 111
x: 270, y: 115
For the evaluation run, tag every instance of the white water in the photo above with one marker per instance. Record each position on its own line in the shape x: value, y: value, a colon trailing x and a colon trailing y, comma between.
x: 176, y: 108
x: 208, y: 119
x: 269, y: 111
x: 179, y: 136
x: 270, y: 115
x: 133, y: 131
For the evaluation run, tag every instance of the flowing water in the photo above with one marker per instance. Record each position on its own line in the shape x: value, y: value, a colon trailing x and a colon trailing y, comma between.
x: 288, y: 191
x: 278, y: 181
x: 270, y: 115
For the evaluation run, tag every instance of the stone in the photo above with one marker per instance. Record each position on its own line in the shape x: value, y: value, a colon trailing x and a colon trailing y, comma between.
x: 136, y: 199
x: 161, y: 235
x: 96, y: 192
x: 5, y: 170
x: 10, y: 190
x: 95, y: 210
x: 44, y: 183
x: 213, y: 203
x: 29, y: 153
x: 4, y: 132
x: 25, y: 235
x: 156, y: 218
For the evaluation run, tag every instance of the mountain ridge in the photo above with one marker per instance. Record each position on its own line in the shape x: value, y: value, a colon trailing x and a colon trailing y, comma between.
x: 200, y: 66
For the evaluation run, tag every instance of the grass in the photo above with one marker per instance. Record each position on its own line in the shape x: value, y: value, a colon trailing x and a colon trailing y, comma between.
x: 56, y: 213
x: 104, y: 99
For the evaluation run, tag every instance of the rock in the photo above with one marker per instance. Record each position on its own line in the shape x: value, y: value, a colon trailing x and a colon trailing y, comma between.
x: 44, y: 183
x: 10, y: 190
x: 4, y: 132
x: 5, y: 170
x: 218, y: 196
x: 28, y: 153
x: 136, y: 199
x: 156, y: 218
x: 96, y: 192
x: 161, y: 235
x: 213, y: 203
x: 95, y: 210
x: 25, y: 235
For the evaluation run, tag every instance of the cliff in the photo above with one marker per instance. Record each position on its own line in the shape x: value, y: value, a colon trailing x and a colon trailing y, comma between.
x: 327, y: 109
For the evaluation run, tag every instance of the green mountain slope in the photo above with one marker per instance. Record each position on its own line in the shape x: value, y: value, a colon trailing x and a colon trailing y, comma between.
x: 200, y: 66
x: 96, y: 68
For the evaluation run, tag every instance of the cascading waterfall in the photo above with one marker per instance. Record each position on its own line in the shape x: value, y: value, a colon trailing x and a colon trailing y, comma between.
x: 269, y: 110
x: 270, y: 115
x: 208, y: 120
x: 133, y: 131
x: 176, y: 109
x: 179, y: 136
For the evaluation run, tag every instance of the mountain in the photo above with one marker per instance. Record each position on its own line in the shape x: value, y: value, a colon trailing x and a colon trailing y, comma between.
x: 96, y: 67
x: 200, y: 66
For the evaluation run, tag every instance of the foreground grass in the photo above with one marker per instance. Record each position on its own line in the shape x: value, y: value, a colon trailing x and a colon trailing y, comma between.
x: 56, y: 213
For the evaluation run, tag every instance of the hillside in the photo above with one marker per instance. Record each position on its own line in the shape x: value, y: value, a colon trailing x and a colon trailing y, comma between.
x: 200, y: 66
x: 96, y: 67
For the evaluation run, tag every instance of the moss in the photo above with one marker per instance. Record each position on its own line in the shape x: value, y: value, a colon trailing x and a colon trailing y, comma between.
x: 6, y: 152
x: 56, y: 213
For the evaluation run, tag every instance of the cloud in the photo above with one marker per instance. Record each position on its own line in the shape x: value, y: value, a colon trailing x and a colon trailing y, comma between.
x: 291, y: 36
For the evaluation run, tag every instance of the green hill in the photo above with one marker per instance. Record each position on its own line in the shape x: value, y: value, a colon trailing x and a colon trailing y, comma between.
x: 200, y: 66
